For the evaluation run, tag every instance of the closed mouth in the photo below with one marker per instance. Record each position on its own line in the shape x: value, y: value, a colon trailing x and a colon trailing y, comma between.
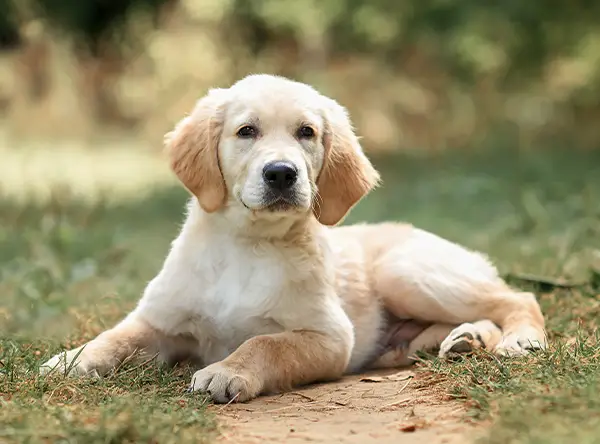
x: 280, y: 205
x: 275, y: 202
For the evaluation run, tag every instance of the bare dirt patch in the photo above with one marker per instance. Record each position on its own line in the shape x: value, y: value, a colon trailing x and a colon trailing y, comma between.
x: 382, y: 407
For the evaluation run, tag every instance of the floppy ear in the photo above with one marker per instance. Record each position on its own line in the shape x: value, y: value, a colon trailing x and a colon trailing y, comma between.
x: 347, y: 175
x: 193, y: 154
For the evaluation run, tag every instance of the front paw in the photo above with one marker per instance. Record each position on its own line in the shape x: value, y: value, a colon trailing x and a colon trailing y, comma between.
x: 224, y: 384
x: 69, y: 363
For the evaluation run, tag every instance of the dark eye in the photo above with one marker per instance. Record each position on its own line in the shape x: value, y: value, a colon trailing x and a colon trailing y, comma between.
x: 247, y: 132
x: 306, y: 132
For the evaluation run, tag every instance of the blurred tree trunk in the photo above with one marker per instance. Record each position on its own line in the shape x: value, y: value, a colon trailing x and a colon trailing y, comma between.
x: 32, y: 62
x: 97, y: 76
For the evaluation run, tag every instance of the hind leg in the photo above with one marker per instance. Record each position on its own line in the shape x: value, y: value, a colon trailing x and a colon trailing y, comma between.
x: 403, y: 353
x: 447, y: 339
x: 431, y: 279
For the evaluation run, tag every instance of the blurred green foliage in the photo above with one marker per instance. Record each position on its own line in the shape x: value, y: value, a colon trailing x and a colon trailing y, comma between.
x: 470, y: 36
x: 91, y: 22
x: 439, y: 73
x: 9, y: 29
x: 511, y: 40
x: 473, y: 37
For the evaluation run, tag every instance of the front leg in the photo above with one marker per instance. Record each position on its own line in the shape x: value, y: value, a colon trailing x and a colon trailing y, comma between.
x: 274, y: 363
x: 105, y: 352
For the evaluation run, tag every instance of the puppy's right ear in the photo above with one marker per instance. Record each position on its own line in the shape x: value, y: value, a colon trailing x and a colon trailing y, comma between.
x: 192, y: 148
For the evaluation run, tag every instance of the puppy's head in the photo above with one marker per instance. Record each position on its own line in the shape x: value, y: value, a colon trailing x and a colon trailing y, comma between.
x: 272, y: 147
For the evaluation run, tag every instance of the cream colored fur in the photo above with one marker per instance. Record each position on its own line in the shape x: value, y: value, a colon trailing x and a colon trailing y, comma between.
x: 266, y: 300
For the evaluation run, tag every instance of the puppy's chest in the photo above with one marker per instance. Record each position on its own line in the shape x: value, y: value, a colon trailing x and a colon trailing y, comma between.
x: 236, y: 295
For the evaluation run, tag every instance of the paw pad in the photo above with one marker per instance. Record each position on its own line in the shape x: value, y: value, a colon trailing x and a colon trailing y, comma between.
x: 461, y: 347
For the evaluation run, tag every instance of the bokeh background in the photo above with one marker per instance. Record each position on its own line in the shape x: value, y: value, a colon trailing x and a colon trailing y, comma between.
x: 482, y: 116
x: 427, y: 75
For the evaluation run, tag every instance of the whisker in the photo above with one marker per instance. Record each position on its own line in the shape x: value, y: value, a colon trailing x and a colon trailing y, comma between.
x: 316, y: 202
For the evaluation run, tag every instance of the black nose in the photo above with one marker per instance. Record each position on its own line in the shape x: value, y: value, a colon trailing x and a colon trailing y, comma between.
x: 280, y: 175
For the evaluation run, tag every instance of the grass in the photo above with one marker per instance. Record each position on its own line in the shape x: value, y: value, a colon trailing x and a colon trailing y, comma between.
x: 69, y: 270
x: 71, y: 266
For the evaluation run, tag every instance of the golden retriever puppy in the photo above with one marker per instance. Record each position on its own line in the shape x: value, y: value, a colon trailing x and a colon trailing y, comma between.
x: 260, y: 288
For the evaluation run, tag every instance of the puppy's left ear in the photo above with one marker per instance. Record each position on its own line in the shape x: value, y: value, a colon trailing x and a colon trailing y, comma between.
x: 192, y: 148
x: 347, y: 175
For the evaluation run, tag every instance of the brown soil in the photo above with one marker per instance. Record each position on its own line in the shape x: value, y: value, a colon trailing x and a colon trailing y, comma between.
x: 382, y: 407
